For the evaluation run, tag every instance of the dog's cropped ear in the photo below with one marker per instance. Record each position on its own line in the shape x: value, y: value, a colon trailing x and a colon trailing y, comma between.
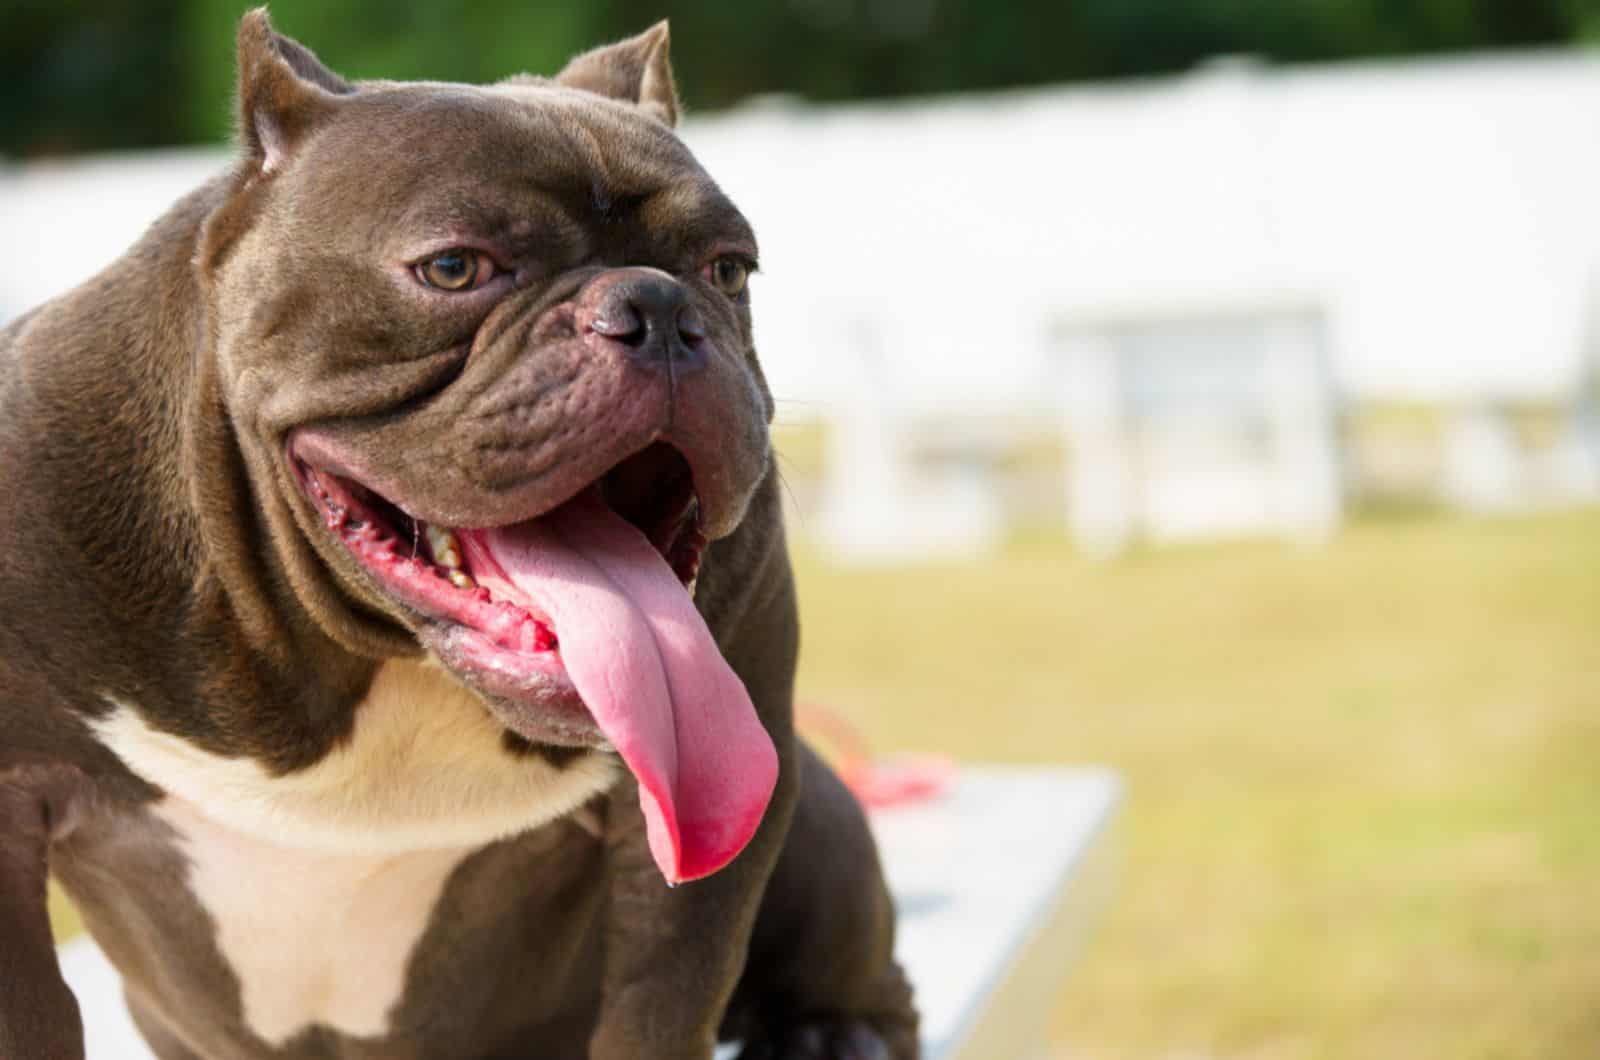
x: 637, y: 70
x: 284, y: 91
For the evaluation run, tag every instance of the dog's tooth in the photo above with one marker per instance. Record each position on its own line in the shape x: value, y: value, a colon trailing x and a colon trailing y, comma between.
x: 462, y: 580
x: 444, y: 546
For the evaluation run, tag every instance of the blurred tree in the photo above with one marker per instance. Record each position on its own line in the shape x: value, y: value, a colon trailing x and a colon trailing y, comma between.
x: 84, y: 74
x: 96, y: 74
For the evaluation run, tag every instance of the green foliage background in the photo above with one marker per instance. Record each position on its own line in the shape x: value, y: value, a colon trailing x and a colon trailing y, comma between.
x: 87, y: 75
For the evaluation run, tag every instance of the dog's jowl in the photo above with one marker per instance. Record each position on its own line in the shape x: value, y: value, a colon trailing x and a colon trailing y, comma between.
x: 398, y: 636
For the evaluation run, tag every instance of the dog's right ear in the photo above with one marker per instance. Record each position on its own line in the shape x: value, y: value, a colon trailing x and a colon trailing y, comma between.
x: 284, y: 91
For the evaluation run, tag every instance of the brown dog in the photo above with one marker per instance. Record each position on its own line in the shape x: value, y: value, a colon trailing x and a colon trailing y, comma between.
x: 396, y: 604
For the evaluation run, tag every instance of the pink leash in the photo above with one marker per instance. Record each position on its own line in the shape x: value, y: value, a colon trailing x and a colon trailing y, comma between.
x: 877, y: 782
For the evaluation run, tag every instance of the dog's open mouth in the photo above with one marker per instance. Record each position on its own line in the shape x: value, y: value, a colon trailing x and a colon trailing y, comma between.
x: 459, y: 575
x: 579, y: 625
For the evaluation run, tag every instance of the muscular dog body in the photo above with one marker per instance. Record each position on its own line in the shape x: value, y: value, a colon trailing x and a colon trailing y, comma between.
x: 312, y: 800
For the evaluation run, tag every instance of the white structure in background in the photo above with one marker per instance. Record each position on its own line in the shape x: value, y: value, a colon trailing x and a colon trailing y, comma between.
x: 877, y: 508
x: 1576, y: 457
x: 1576, y: 460
x: 1439, y: 216
x: 1441, y: 212
x: 1487, y: 468
x: 1200, y: 424
x: 1482, y: 469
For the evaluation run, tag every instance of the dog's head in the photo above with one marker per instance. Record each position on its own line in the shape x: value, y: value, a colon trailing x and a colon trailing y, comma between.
x: 486, y: 352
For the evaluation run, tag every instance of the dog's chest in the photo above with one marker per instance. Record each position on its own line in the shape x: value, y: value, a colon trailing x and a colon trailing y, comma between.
x: 314, y: 938
x: 320, y: 885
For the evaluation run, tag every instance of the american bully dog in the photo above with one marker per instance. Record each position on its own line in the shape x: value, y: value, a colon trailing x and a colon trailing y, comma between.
x: 396, y: 630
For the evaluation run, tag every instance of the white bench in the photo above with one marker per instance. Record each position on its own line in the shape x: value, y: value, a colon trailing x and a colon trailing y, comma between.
x: 997, y: 882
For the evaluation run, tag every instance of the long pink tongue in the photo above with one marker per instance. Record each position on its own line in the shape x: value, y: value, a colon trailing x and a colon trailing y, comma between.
x: 650, y: 673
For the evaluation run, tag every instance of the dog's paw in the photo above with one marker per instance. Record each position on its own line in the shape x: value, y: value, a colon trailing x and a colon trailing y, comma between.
x: 823, y: 1040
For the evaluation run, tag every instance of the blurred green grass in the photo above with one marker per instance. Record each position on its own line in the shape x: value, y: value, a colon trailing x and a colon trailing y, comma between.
x: 1363, y: 778
x: 1363, y: 782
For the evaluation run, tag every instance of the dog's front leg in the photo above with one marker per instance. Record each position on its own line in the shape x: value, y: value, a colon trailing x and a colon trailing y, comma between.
x: 38, y: 1015
x: 674, y: 955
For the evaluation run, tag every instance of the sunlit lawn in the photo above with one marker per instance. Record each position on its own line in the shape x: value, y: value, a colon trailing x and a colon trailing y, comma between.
x: 1364, y: 816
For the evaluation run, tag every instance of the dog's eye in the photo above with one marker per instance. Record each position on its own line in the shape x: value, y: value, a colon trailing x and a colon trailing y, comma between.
x: 729, y: 275
x: 456, y: 270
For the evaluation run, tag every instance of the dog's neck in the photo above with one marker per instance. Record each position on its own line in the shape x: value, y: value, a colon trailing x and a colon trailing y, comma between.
x: 124, y: 463
x: 121, y: 394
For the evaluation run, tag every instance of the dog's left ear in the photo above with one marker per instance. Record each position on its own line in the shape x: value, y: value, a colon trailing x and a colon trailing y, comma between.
x: 637, y: 70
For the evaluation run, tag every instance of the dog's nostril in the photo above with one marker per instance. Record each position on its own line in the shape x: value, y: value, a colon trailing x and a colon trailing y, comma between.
x: 691, y: 328
x: 639, y: 311
x: 618, y: 320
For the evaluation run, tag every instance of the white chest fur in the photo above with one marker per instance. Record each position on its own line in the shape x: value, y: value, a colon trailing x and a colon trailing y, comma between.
x: 321, y: 883
x: 314, y: 937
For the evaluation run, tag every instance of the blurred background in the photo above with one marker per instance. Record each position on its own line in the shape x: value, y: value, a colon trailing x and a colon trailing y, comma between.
x: 1205, y: 388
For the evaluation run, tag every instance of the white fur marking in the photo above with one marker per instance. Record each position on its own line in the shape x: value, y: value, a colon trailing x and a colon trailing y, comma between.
x: 424, y: 767
x: 313, y: 937
x: 321, y: 882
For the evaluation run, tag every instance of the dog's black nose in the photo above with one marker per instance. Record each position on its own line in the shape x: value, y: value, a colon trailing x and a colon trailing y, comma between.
x: 649, y: 313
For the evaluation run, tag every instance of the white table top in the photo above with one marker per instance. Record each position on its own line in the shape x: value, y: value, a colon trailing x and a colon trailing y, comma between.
x: 996, y: 882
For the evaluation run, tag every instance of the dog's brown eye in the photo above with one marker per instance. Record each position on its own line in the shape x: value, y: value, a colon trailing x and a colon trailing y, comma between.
x: 729, y: 275
x: 456, y: 270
